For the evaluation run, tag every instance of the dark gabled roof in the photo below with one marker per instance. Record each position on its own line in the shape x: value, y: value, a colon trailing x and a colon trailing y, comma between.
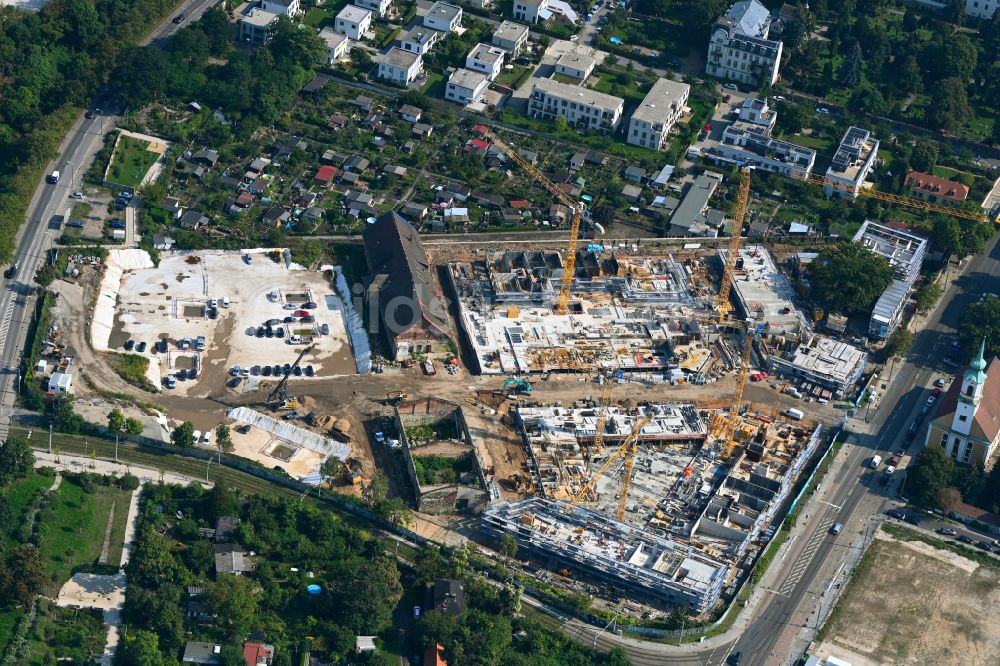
x: 393, y: 249
x: 206, y: 155
x: 449, y: 596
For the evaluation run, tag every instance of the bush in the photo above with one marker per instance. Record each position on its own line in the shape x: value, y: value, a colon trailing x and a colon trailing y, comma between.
x: 46, y: 471
x: 128, y: 482
x: 132, y: 368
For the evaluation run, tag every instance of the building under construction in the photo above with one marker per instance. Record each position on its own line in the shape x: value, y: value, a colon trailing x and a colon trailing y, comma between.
x: 627, y: 313
x: 684, y: 496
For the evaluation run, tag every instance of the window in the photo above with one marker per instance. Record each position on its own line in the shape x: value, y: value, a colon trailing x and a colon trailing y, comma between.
x: 962, y: 418
x: 944, y: 439
x: 970, y: 390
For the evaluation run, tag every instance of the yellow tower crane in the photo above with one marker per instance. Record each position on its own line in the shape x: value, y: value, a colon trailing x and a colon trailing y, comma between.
x: 735, y: 238
x: 562, y: 303
x: 604, y: 405
x: 628, y: 449
x: 731, y: 423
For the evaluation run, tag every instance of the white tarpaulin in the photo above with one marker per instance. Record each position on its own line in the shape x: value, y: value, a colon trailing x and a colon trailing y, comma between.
x: 355, y: 325
x: 288, y: 432
x: 117, y: 263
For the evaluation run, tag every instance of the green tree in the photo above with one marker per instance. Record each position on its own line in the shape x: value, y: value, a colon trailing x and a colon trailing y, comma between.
x: 924, y: 156
x: 486, y: 636
x: 116, y: 420
x: 152, y: 563
x: 436, y: 628
x: 561, y: 125
x: 929, y: 475
x: 183, y: 435
x: 927, y: 295
x: 374, y: 592
x: 133, y: 426
x: 16, y: 460
x: 5, y: 517
x: 850, y: 69
x: 200, y: 557
x: 139, y: 648
x: 949, y: 106
x: 849, y: 278
x: 980, y: 321
x: 430, y: 564
x: 792, y: 117
x: 235, y: 600
x: 910, y: 78
x: 223, y: 438
x: 960, y: 237
x: 900, y: 343
x: 64, y: 417
x: 508, y: 546
x: 22, y: 576
x: 866, y: 98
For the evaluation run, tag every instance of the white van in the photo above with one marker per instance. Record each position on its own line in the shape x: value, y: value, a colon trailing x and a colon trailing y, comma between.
x: 793, y: 413
x: 876, y: 461
x: 225, y: 301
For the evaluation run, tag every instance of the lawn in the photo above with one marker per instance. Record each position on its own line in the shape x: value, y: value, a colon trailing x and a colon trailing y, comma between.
x: 514, y: 77
x: 65, y: 634
x: 72, y: 526
x: 130, y: 162
x: 8, y: 622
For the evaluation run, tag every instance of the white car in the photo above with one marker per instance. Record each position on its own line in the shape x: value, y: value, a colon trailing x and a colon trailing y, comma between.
x: 822, y: 110
x: 206, y: 439
x: 197, y: 436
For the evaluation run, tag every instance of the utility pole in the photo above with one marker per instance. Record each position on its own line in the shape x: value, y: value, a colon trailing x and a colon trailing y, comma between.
x: 116, y: 448
x: 50, y: 439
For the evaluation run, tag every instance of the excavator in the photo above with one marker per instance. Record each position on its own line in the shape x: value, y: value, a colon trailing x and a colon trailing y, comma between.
x: 514, y: 386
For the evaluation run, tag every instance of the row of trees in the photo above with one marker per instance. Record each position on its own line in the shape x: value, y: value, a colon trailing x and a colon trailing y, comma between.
x: 21, y: 572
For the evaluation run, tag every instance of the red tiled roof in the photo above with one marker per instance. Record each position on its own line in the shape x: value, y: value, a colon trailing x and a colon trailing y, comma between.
x: 975, y: 513
x: 256, y: 653
x: 480, y: 129
x: 987, y: 420
x: 519, y: 203
x: 244, y: 199
x: 939, y: 187
x: 479, y: 143
x: 325, y: 174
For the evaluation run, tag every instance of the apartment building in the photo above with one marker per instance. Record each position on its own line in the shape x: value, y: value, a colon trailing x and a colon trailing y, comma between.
x: 444, y: 17
x: 852, y: 163
x: 401, y: 67
x: 511, y: 37
x: 581, y: 107
x: 353, y: 21
x: 487, y: 59
x: 337, y: 44
x: 660, y: 109
x: 738, y: 47
x: 529, y: 10
x: 466, y: 86
x: 289, y: 8
x: 981, y: 9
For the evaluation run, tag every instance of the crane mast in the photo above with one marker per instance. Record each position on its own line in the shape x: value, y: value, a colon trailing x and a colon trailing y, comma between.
x: 628, y: 449
x: 735, y: 238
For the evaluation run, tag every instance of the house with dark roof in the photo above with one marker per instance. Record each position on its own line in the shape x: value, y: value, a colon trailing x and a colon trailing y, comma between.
x: 173, y: 207
x: 966, y: 423
x: 413, y: 210
x: 410, y: 114
x: 356, y: 163
x: 412, y: 312
x: 197, y: 652
x: 206, y: 157
x: 447, y: 596
x: 277, y: 215
x: 225, y: 528
x: 192, y: 220
x: 230, y: 559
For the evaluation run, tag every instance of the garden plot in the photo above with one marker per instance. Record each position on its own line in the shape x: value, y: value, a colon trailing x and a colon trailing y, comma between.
x: 172, y: 302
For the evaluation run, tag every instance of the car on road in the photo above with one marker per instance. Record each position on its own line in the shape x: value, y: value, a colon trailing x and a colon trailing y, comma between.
x: 947, y: 531
x: 90, y: 115
x: 895, y: 513
x: 913, y: 428
x: 416, y: 612
x: 11, y: 271
x: 837, y: 527
x: 889, y: 470
x: 940, y: 382
x: 935, y: 392
x: 180, y: 18
x: 964, y: 538
x: 984, y: 545
x: 735, y: 659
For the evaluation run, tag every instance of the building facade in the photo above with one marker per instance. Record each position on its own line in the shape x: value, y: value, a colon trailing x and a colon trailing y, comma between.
x: 257, y: 27
x: 418, y: 40
x: 487, y: 59
x: 935, y: 189
x: 444, y: 17
x: 528, y: 10
x: 738, y: 47
x: 336, y: 44
x: 511, y: 37
x: 851, y: 164
x: 353, y: 21
x: 967, y: 422
x: 581, y: 107
x: 981, y: 9
x: 661, y: 108
x: 379, y: 8
x: 575, y: 65
x: 289, y: 8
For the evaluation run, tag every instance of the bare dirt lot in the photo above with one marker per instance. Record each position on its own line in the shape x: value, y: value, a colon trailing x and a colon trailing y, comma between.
x: 915, y: 604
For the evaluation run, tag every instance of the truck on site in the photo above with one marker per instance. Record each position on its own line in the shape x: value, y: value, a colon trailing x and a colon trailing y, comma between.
x: 793, y: 413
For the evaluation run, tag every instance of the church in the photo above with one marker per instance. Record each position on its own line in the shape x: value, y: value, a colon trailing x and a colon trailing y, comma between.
x: 967, y: 421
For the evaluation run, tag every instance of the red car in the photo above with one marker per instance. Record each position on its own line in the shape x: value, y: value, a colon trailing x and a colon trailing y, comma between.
x: 936, y: 392
x: 300, y: 313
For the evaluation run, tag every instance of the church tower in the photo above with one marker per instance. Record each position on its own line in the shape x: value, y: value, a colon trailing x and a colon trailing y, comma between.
x: 973, y: 381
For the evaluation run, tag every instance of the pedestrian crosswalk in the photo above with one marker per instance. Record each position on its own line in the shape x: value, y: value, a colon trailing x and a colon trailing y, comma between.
x: 5, y: 323
x: 798, y: 569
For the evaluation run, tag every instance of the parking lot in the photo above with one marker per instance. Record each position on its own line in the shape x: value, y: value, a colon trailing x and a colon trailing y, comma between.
x: 200, y: 316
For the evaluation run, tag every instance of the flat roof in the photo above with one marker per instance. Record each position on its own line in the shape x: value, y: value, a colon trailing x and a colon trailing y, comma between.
x: 693, y: 205
x: 259, y: 18
x: 578, y: 94
x: 665, y: 94
x: 332, y: 37
x: 443, y: 10
x: 903, y: 250
x: 487, y: 53
x: 826, y: 357
x: 354, y: 13
x: 857, y: 148
x: 510, y: 31
x: 466, y: 78
x: 764, y: 293
x: 400, y: 58
x: 575, y: 60
x: 888, y: 303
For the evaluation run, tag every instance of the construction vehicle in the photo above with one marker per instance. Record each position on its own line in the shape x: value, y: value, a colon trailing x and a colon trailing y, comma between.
x: 514, y: 386
x: 626, y: 450
x: 290, y: 403
x: 396, y: 397
x: 562, y: 303
x: 278, y: 394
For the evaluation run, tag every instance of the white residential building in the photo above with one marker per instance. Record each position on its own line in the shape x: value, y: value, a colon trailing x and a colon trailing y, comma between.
x: 575, y: 65
x: 981, y: 9
x: 444, y: 17
x: 353, y: 21
x: 289, y: 8
x: 465, y: 86
x: 528, y: 10
x: 738, y: 47
x: 257, y: 26
x: 487, y: 59
x: 400, y: 67
x: 418, y: 40
x: 377, y: 7
x: 852, y: 163
x: 660, y: 109
x: 511, y: 37
x: 337, y: 44
x: 581, y: 107
x: 746, y: 143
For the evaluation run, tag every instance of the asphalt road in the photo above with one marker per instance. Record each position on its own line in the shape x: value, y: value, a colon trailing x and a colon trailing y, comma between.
x: 42, y: 228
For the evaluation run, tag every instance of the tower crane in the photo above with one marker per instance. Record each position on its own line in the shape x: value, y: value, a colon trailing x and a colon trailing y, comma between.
x: 733, y: 421
x: 735, y: 238
x: 562, y: 303
x: 628, y: 449
x: 604, y: 406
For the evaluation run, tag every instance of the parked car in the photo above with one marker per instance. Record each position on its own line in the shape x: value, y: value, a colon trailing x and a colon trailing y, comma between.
x: 895, y: 513
x: 141, y: 347
x: 308, y: 320
x: 947, y: 531
x: 180, y: 18
x: 170, y: 382
x: 837, y: 527
x: 290, y: 306
x: 912, y: 519
x: 309, y: 371
x: 309, y: 305
x: 940, y: 382
x: 266, y: 371
x: 984, y: 545
x: 129, y: 345
x: 247, y: 259
x: 255, y: 370
x: 962, y: 538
